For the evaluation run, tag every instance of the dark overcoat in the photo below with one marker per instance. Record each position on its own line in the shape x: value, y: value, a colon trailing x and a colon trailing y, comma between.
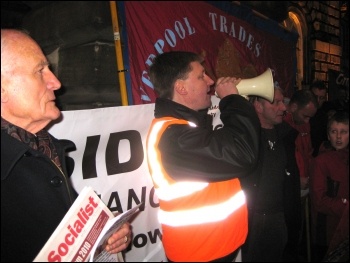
x: 35, y: 196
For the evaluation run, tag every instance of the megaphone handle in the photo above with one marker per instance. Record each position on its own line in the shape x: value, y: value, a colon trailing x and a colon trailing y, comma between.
x: 244, y: 96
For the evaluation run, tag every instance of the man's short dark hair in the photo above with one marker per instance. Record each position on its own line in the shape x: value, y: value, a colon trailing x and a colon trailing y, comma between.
x: 303, y: 97
x: 169, y: 67
x: 340, y: 116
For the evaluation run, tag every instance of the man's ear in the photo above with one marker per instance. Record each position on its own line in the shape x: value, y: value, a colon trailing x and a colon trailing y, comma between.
x: 4, y: 97
x: 180, y: 87
x: 258, y: 106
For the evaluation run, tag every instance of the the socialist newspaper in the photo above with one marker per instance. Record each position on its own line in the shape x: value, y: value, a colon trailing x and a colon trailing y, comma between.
x: 84, y: 223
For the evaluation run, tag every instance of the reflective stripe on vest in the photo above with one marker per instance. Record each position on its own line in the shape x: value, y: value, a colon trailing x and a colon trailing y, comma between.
x: 164, y: 189
x: 206, y: 214
x: 168, y: 189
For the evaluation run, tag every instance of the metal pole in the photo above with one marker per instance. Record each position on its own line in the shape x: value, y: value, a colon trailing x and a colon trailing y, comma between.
x: 119, y: 54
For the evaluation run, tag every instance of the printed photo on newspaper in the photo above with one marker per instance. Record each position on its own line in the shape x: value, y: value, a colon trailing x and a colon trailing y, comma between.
x: 98, y: 254
x: 84, y: 224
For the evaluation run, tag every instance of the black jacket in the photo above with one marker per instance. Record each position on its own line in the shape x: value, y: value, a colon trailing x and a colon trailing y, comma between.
x: 291, y: 198
x: 35, y: 196
x: 291, y: 186
x: 203, y: 154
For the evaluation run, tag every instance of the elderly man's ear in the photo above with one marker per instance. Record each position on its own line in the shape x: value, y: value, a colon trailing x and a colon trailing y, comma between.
x: 4, y: 97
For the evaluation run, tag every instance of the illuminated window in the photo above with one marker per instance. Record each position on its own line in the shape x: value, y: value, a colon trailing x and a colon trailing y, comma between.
x: 293, y: 24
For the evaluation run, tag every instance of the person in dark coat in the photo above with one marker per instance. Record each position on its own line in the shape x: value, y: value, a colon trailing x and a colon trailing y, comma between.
x: 36, y: 192
x: 273, y: 189
x: 318, y: 123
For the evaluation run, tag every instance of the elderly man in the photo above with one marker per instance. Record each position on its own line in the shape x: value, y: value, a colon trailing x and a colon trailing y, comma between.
x: 35, y: 188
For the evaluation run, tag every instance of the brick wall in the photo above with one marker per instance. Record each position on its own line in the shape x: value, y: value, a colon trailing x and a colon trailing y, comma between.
x: 325, y: 50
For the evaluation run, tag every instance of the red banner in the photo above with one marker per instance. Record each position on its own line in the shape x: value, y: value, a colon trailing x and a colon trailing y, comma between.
x: 231, y: 46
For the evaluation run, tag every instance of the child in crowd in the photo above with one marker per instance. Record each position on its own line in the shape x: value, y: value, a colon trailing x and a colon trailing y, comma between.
x: 329, y: 187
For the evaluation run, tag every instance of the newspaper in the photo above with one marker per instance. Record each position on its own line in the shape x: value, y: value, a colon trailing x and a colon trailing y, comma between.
x: 86, y: 222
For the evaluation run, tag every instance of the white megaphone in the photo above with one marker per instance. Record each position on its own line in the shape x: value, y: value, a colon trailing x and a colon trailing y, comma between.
x: 261, y: 86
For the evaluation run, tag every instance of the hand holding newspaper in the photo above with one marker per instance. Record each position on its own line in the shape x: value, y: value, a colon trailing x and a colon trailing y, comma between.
x: 112, y: 225
x: 85, y: 227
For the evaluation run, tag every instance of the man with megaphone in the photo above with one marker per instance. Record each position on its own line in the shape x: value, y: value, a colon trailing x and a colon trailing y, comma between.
x: 195, y: 169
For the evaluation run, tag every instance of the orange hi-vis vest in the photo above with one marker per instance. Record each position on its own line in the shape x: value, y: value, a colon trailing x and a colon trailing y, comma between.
x: 201, y: 221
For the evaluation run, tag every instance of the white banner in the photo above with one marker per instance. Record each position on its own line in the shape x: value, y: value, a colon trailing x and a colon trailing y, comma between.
x: 111, y: 158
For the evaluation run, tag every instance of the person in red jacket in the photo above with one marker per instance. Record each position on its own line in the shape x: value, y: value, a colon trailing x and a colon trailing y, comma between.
x: 329, y: 187
x: 195, y: 169
x: 301, y: 108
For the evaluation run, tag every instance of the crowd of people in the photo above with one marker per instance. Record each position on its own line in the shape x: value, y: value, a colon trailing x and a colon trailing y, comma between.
x: 237, y: 188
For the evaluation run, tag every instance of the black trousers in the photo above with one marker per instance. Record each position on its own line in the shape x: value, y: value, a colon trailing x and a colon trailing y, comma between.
x: 267, y: 238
